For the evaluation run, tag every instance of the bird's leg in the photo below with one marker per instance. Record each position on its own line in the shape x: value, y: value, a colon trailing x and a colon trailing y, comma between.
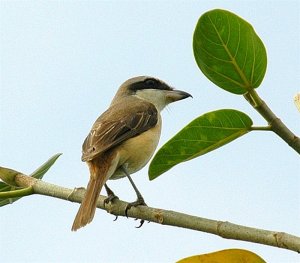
x: 110, y: 195
x: 140, y: 199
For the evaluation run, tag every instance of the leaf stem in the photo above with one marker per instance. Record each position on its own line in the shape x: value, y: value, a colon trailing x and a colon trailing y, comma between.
x: 253, y: 98
x: 261, y: 128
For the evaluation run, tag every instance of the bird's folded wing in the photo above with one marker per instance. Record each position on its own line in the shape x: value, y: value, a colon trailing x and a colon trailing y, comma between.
x: 120, y: 122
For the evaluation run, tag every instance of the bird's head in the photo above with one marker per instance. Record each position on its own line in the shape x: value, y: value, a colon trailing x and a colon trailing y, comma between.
x: 152, y: 90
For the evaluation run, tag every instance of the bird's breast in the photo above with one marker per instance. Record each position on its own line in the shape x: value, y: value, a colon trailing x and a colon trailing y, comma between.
x: 135, y: 152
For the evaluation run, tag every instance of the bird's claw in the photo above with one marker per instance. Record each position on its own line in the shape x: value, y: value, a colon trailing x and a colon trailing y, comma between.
x: 110, y: 198
x: 141, y: 223
x: 139, y: 201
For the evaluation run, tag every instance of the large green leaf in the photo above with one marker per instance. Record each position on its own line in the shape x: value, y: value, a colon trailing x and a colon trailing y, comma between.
x: 229, y: 52
x: 204, y: 134
x: 17, y: 191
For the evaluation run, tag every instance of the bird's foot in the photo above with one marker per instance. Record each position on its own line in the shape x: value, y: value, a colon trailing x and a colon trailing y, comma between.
x: 110, y: 199
x: 110, y: 195
x: 138, y: 202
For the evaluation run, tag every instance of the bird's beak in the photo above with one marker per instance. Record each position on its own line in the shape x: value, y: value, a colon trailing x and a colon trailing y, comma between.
x: 175, y: 95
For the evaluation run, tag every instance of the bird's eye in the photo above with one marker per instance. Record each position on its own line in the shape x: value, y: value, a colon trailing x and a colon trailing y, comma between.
x: 151, y: 83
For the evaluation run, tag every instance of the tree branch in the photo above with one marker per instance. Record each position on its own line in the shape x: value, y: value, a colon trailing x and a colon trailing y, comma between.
x: 275, y: 123
x: 166, y: 217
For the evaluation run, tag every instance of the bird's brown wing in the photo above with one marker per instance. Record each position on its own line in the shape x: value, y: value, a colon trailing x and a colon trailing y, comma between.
x: 120, y: 122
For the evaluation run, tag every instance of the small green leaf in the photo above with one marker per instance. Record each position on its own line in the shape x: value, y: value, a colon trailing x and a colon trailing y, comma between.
x: 8, y: 176
x: 39, y: 172
x: 12, y: 191
x: 229, y: 52
x: 16, y: 193
x: 204, y: 134
x: 7, y: 188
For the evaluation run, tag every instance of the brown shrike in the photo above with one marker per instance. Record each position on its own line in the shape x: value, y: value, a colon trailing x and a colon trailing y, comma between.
x: 123, y: 139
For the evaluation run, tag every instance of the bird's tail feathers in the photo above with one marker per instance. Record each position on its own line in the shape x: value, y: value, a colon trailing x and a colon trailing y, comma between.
x: 88, y: 205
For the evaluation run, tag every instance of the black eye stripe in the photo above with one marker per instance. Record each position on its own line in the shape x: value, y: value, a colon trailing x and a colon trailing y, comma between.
x: 153, y: 83
x: 149, y: 83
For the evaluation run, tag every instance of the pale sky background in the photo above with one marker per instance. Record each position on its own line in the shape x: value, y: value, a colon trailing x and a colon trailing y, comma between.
x: 61, y: 63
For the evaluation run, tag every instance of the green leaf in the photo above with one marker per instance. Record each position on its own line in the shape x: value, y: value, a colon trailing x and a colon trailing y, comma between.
x: 39, y: 172
x: 13, y: 191
x: 229, y: 52
x: 6, y: 188
x: 8, y: 176
x: 204, y: 134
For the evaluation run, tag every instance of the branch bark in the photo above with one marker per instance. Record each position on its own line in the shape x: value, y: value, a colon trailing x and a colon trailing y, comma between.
x: 275, y: 123
x: 167, y: 217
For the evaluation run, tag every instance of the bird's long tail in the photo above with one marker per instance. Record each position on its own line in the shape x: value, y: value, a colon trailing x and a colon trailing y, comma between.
x: 87, y: 209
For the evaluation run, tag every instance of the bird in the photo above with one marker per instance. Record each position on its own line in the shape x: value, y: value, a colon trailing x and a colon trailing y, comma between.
x: 123, y: 139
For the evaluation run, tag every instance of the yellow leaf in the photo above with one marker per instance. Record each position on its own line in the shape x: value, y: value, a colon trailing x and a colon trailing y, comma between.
x: 225, y: 256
